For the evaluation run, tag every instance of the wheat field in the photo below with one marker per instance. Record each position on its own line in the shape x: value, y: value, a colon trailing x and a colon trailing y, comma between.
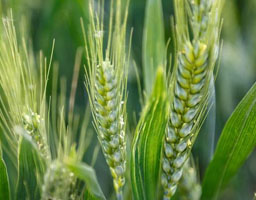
x: 127, y: 100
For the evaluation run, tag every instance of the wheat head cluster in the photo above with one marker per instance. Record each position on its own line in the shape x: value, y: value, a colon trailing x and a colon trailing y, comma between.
x: 41, y: 130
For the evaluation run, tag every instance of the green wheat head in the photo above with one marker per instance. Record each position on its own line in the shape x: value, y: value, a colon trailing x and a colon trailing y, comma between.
x: 23, y: 90
x: 28, y: 118
x: 196, y: 58
x: 106, y: 80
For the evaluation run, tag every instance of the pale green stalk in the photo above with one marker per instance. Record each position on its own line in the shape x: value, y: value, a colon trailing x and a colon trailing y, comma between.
x: 106, y: 80
x: 196, y: 58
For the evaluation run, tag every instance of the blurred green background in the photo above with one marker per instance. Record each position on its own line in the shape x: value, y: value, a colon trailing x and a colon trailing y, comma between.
x: 45, y: 20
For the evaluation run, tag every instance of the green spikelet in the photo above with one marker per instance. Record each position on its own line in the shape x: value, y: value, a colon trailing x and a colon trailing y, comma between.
x: 200, y: 16
x: 195, y: 64
x: 110, y: 121
x: 31, y: 123
x: 58, y: 183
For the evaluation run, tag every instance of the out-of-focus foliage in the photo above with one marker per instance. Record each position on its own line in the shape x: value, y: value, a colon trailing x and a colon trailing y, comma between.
x: 60, y: 19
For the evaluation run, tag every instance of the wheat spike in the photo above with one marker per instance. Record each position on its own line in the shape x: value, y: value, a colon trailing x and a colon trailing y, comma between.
x: 186, y: 107
x: 195, y: 64
x: 110, y: 121
x: 106, y: 80
x: 23, y: 90
x: 58, y: 183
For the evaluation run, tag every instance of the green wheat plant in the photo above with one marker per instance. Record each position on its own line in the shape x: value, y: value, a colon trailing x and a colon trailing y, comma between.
x: 48, y: 148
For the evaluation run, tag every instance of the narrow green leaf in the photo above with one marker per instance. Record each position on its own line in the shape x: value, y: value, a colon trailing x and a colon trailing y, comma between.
x: 4, y: 180
x: 237, y: 141
x: 147, y: 143
x: 31, y: 167
x: 153, y: 42
x: 89, y: 196
x: 87, y: 174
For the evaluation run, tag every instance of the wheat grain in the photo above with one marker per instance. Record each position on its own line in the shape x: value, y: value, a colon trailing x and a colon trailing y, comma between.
x: 195, y: 64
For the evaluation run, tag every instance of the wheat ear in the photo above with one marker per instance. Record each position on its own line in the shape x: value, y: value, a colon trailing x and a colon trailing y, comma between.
x: 195, y: 64
x: 58, y: 182
x: 109, y: 117
x: 23, y: 90
x: 106, y: 80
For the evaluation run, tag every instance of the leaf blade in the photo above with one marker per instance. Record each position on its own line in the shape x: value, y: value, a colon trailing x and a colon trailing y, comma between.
x: 153, y: 42
x: 4, y: 183
x: 29, y: 158
x: 147, y: 143
x: 237, y: 141
x: 87, y: 174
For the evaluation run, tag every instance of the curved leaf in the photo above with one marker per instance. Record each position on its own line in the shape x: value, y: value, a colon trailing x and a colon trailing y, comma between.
x: 153, y: 42
x: 87, y: 174
x: 4, y: 180
x: 237, y: 141
x: 147, y: 143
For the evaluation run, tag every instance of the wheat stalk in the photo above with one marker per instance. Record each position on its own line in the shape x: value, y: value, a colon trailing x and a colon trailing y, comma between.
x: 195, y: 64
x: 106, y: 80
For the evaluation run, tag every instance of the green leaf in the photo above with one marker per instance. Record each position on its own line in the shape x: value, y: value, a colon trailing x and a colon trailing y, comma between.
x: 87, y: 174
x: 147, y: 143
x: 4, y: 180
x: 31, y: 164
x: 237, y: 141
x: 153, y: 42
